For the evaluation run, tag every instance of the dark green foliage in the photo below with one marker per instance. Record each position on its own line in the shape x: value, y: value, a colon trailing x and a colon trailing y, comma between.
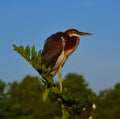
x: 78, y: 90
x: 108, y: 103
x: 2, y: 87
x: 22, y: 100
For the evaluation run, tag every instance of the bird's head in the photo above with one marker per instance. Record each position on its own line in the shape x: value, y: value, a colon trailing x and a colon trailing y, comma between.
x: 76, y: 33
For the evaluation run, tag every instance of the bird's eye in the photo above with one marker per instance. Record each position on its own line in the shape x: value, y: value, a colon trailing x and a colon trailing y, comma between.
x: 74, y: 32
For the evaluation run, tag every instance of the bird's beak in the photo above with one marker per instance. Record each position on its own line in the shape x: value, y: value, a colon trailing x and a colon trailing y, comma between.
x: 84, y: 34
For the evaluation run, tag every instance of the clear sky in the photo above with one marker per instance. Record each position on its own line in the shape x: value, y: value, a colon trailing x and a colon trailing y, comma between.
x: 30, y: 22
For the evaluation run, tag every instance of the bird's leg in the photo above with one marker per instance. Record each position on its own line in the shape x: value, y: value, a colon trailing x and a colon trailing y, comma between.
x: 60, y: 77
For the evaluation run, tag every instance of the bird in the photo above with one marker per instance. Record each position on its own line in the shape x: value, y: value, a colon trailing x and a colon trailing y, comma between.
x: 58, y: 47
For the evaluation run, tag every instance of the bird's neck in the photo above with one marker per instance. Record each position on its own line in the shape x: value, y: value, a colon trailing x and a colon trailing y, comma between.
x: 71, y: 44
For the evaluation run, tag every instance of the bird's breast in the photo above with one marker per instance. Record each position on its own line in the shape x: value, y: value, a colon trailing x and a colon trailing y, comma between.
x: 71, y: 45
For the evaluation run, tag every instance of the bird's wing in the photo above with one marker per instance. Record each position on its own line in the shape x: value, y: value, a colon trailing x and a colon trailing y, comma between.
x: 52, y: 49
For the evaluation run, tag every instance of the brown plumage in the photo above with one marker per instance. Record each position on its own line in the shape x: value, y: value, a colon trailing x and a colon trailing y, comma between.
x: 58, y: 47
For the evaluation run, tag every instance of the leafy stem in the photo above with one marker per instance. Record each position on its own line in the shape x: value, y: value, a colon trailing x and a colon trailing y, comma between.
x: 68, y: 106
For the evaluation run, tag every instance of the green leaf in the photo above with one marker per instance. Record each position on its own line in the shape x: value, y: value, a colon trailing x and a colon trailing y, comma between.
x: 65, y: 113
x: 55, y: 90
x: 39, y: 53
x: 15, y: 47
x: 45, y: 95
x: 28, y: 53
x: 33, y: 53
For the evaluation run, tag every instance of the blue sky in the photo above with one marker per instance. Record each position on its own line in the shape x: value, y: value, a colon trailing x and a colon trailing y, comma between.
x: 30, y: 22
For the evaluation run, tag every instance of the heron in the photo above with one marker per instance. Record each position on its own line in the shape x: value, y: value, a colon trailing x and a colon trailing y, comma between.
x: 58, y: 47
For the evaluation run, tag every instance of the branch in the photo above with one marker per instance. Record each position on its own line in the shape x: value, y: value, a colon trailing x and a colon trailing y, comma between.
x: 68, y: 106
x: 34, y: 58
